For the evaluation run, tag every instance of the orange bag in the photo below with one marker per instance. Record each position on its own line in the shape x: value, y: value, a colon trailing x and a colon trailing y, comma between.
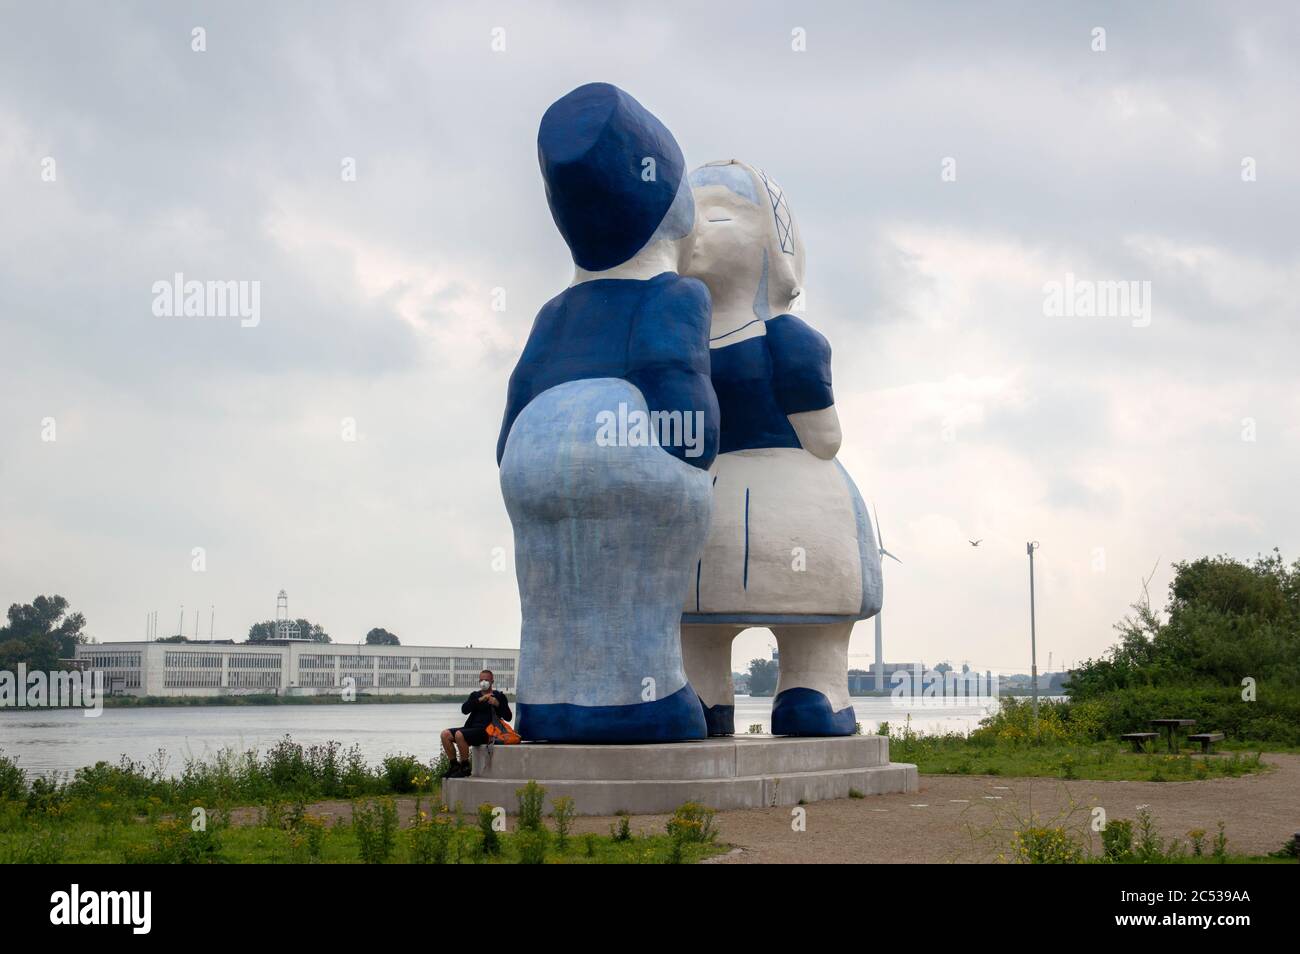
x: 500, y: 732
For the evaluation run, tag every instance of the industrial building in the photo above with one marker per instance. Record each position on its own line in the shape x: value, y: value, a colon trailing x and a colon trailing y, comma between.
x: 293, y: 667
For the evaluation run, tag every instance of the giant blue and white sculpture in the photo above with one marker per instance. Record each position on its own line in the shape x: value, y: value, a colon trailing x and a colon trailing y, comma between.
x: 611, y: 425
x: 791, y: 546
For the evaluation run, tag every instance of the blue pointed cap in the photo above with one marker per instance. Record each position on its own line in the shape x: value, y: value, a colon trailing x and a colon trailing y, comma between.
x: 592, y: 147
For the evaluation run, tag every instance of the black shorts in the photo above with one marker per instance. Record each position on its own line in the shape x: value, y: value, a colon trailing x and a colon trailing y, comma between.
x: 476, y: 736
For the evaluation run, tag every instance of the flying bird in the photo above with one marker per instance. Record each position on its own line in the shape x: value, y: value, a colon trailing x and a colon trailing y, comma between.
x: 975, y: 543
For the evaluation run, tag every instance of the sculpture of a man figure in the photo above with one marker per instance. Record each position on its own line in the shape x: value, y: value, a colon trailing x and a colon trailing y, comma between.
x: 611, y: 425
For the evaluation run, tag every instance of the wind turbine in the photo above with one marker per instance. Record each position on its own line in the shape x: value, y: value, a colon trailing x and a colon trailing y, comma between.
x: 880, y: 657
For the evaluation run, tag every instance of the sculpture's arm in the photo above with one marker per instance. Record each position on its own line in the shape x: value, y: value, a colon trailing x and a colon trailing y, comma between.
x: 819, y: 431
x: 801, y: 372
x: 668, y: 359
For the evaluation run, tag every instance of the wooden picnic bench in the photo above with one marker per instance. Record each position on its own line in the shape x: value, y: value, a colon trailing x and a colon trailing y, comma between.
x: 1139, y: 739
x: 1173, y: 725
x: 1207, y: 740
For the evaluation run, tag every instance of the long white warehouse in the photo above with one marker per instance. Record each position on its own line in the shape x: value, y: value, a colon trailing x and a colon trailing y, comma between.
x: 293, y: 668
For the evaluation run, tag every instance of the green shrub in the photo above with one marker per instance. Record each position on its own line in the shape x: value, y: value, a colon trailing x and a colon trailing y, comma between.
x: 1274, y: 716
x: 531, y: 845
x: 1148, y: 847
x: 1289, y: 850
x: 1046, y: 846
x: 532, y: 799
x: 174, y: 842
x: 563, y: 811
x: 39, y: 848
x: 439, y: 769
x: 307, y: 839
x: 1220, y: 844
x: 692, y: 824
x: 401, y: 773
x: 1224, y: 619
x: 430, y: 839
x: 13, y: 780
x: 271, y: 815
x: 286, y: 773
x: 375, y: 825
x: 490, y: 841
x: 1013, y: 722
x: 1117, y: 840
x: 624, y: 830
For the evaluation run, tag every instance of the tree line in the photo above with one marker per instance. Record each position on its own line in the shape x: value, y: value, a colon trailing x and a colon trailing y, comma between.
x: 44, y: 633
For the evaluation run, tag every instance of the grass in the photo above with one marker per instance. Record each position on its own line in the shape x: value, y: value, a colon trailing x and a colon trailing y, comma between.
x: 1068, y: 741
x: 252, y: 808
x: 955, y: 754
x: 89, y: 842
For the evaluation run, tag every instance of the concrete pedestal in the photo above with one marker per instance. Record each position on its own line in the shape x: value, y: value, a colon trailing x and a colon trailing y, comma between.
x: 742, y: 772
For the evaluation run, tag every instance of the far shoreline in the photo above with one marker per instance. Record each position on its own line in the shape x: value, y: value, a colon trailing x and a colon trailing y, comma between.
x: 272, y: 699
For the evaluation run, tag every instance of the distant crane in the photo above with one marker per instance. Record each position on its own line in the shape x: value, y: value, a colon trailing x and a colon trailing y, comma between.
x: 880, y: 651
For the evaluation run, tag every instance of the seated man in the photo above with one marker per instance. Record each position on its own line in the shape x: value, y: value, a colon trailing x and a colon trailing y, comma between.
x: 479, y: 708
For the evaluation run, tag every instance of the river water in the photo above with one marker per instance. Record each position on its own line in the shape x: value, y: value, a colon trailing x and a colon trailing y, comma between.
x: 60, y: 740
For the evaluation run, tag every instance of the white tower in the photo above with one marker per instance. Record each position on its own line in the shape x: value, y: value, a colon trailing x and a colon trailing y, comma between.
x: 285, y: 628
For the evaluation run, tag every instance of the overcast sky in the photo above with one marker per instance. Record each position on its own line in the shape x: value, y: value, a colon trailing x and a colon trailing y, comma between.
x: 968, y: 412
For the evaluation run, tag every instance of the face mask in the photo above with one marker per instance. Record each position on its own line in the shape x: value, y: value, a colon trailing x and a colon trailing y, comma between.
x: 484, y: 684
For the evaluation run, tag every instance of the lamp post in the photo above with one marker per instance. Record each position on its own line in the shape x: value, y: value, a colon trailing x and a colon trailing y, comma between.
x: 1033, y: 634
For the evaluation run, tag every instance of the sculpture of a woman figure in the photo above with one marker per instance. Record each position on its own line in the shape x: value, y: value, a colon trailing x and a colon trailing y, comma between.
x: 790, y: 547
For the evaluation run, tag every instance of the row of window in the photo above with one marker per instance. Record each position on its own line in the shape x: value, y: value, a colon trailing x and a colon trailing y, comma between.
x: 316, y: 680
x: 254, y: 660
x: 466, y: 668
x: 480, y: 663
x: 211, y: 679
x: 115, y: 660
x: 254, y: 680
x: 183, y: 660
x: 192, y: 679
x: 366, y: 663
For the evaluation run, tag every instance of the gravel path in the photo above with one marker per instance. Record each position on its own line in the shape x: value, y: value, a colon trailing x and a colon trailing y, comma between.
x: 966, y: 818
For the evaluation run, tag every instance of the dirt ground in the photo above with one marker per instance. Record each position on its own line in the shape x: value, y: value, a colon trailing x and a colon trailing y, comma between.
x: 966, y: 818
